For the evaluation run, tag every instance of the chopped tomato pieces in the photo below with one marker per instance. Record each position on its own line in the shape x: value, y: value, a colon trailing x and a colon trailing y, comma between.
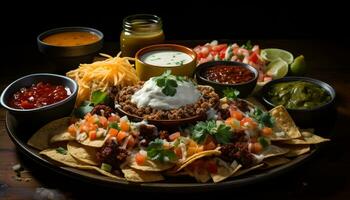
x: 266, y: 131
x: 113, y: 132
x: 124, y: 125
x: 92, y: 135
x: 174, y: 136
x: 140, y: 158
x: 236, y: 114
x: 121, y: 135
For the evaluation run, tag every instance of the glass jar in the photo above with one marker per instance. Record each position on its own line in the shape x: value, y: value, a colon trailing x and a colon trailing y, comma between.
x: 139, y: 31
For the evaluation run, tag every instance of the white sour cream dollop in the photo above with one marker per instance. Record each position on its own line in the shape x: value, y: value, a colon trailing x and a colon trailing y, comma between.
x: 151, y: 95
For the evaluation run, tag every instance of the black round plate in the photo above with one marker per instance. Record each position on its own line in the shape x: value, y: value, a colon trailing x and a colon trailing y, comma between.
x: 180, y: 184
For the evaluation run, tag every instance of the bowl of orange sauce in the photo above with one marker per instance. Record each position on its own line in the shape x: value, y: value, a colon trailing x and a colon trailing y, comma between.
x: 67, y: 47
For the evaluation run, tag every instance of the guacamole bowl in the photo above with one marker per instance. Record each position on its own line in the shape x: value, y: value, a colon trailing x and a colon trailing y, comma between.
x: 309, y: 101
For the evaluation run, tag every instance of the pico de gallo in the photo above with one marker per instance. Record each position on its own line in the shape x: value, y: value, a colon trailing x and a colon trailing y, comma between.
x: 247, y: 53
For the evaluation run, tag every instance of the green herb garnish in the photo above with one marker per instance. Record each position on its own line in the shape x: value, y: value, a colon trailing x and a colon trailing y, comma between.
x: 231, y: 93
x: 156, y: 151
x: 114, y: 125
x: 168, y: 83
x: 264, y: 142
x: 106, y: 167
x: 61, y: 150
x: 248, y: 45
x: 263, y: 118
x: 99, y: 97
x: 222, y: 133
x: 83, y: 109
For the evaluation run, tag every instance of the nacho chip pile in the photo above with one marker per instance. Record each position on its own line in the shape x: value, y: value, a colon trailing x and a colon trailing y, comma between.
x: 240, y: 138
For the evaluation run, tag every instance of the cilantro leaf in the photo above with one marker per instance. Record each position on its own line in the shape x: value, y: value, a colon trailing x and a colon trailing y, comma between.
x: 83, y: 109
x: 156, y: 151
x: 221, y: 133
x: 168, y: 82
x: 114, y: 125
x: 61, y: 150
x: 263, y: 118
x: 99, y: 97
x: 231, y: 93
x: 248, y: 45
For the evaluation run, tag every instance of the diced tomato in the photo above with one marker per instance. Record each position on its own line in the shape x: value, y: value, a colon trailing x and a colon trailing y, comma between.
x: 124, y: 125
x: 213, y: 53
x: 26, y: 105
x: 140, y: 159
x: 248, y: 122
x: 113, y: 118
x: 174, y: 136
x: 256, y: 147
x: 131, y: 142
x: 219, y: 47
x: 204, y: 51
x: 121, y: 135
x: 92, y: 135
x: 266, y: 131
x: 87, y: 116
x: 72, y: 130
x: 236, y: 114
x: 113, y: 132
x: 209, y: 143
x: 229, y: 121
x: 253, y: 57
x: 212, y: 167
x: 222, y: 53
x: 178, y: 152
x: 103, y: 121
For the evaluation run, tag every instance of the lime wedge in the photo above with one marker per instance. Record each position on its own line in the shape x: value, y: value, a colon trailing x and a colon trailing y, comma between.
x: 298, y: 67
x: 277, y: 68
x: 273, y: 54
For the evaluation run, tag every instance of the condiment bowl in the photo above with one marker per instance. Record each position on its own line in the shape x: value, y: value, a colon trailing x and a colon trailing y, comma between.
x: 145, y: 70
x: 319, y: 116
x: 37, y: 117
x: 69, y: 57
x: 244, y: 88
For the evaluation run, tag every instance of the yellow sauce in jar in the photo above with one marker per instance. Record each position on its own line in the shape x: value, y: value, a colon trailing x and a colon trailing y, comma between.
x: 140, y: 31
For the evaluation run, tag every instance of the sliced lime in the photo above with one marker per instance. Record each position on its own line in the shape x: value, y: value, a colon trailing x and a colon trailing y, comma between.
x: 277, y: 68
x: 273, y: 54
x: 298, y: 67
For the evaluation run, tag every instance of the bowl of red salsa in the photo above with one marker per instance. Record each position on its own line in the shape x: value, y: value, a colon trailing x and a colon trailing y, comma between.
x: 39, y: 98
x: 227, y: 74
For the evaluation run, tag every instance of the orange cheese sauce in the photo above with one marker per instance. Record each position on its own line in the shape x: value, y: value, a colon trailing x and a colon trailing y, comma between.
x: 77, y: 38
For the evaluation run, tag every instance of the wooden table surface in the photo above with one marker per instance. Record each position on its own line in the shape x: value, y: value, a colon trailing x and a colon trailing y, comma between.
x: 326, y: 176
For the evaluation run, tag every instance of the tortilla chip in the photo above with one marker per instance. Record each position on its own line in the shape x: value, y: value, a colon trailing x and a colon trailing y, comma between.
x: 273, y: 150
x: 150, y: 165
x: 63, y: 136
x: 134, y: 175
x: 307, y: 138
x: 197, y: 156
x: 82, y: 153
x: 94, y: 143
x: 275, y: 161
x: 41, y: 139
x: 201, y: 175
x: 70, y: 161
x: 247, y: 170
x: 297, y: 150
x: 225, y: 170
x: 284, y: 124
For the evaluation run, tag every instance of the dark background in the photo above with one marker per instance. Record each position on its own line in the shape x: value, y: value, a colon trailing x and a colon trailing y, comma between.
x: 206, y: 19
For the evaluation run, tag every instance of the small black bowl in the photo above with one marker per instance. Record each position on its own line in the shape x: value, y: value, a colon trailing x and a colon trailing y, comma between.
x: 37, y: 117
x: 245, y: 88
x: 65, y: 58
x: 320, y: 117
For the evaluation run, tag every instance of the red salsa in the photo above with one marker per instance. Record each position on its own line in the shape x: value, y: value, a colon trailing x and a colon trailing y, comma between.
x: 228, y: 74
x: 38, y: 95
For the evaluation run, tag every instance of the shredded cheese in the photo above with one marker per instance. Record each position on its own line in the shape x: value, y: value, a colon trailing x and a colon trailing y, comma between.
x: 102, y: 75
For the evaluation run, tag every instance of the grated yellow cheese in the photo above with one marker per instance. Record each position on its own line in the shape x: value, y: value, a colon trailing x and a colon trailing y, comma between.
x: 102, y: 75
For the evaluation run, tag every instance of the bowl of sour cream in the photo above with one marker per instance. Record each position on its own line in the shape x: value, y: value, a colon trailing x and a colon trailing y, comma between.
x: 154, y: 60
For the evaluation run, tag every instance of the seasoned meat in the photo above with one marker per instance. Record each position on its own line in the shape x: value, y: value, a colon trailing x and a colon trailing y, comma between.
x: 239, y: 152
x: 102, y: 110
x: 148, y: 132
x: 112, y: 154
x: 208, y: 100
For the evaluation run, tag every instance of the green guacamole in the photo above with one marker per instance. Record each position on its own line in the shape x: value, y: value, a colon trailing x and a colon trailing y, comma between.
x: 298, y: 95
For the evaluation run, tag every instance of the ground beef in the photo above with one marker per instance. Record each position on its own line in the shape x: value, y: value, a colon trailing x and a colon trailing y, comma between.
x: 238, y: 104
x: 148, y: 133
x: 102, y: 110
x: 208, y: 100
x: 239, y: 152
x: 112, y: 154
